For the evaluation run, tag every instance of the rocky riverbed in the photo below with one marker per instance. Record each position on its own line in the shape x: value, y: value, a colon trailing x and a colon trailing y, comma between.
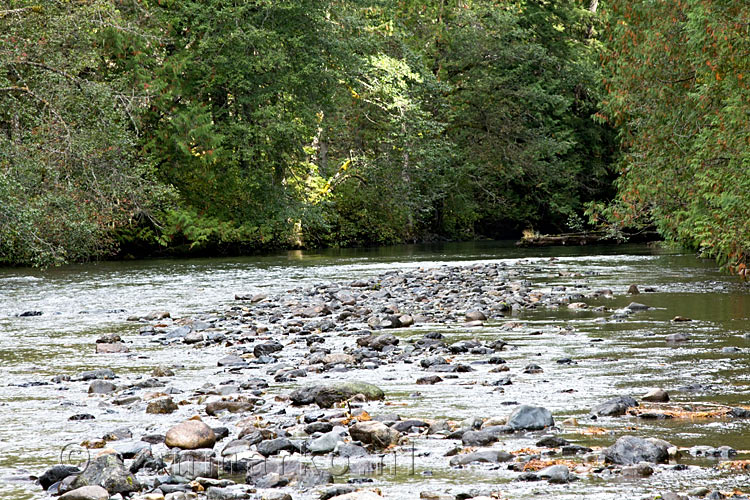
x: 446, y: 382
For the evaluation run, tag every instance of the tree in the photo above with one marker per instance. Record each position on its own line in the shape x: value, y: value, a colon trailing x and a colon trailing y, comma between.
x: 676, y: 79
x: 69, y: 169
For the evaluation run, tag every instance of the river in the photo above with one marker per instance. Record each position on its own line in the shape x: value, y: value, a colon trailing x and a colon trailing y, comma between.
x: 82, y: 302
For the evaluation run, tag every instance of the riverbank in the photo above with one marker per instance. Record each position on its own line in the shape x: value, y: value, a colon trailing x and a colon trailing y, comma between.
x: 548, y: 339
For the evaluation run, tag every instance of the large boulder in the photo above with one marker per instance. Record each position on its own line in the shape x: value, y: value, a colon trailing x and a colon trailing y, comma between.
x: 190, y: 435
x: 629, y: 450
x: 110, y: 473
x: 375, y: 433
x: 615, y: 406
x: 530, y: 418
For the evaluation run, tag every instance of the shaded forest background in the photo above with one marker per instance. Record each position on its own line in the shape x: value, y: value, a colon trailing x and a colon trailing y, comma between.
x: 146, y: 127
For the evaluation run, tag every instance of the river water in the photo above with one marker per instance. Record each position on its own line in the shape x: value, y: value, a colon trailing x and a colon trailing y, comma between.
x: 80, y: 303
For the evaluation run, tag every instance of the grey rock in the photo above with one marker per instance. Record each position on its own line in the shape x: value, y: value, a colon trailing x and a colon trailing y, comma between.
x: 491, y: 456
x: 556, y: 474
x: 110, y: 473
x: 629, y: 450
x: 190, y: 469
x: 615, y: 406
x: 527, y: 417
x: 56, y: 473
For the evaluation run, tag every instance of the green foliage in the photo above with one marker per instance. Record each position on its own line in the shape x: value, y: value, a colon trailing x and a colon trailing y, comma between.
x: 676, y: 75
x: 69, y: 167
x: 216, y: 125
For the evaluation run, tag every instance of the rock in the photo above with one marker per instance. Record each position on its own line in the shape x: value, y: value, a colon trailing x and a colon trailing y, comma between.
x: 339, y: 358
x: 552, y: 442
x: 274, y: 446
x: 101, y: 387
x: 161, y: 371
x: 190, y: 469
x: 375, y: 433
x: 475, y: 315
x: 378, y: 342
x: 327, y: 395
x: 406, y: 320
x: 190, y: 435
x: 531, y: 418
x: 478, y: 438
x: 193, y: 338
x: 639, y: 470
x: 94, y: 492
x: 429, y: 380
x: 161, y: 406
x: 630, y: 450
x: 635, y: 306
x: 680, y: 319
x: 359, y: 495
x: 335, y: 491
x: 217, y: 493
x: 633, y: 290
x: 556, y: 474
x: 110, y: 473
x: 156, y: 315
x: 677, y: 337
x: 656, y: 396
x: 615, y: 406
x: 267, y: 349
x: 574, y: 449
x: 491, y: 456
x: 216, y: 407
x: 56, y: 473
x: 29, y: 314
x: 232, y: 360
x: 102, y: 373
x: 111, y: 338
x: 115, y: 348
x: 327, y: 442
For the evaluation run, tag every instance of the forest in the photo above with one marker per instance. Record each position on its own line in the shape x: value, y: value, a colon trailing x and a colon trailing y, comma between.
x: 215, y: 127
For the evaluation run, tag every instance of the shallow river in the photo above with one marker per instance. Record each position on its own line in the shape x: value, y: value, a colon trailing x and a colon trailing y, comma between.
x: 80, y: 303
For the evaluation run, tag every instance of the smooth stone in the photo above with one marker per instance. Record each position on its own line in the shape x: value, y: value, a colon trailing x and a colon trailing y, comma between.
x: 635, y: 306
x: 56, y: 473
x: 556, y: 474
x: 327, y: 442
x: 101, y: 387
x: 189, y: 435
x: 275, y: 446
x: 115, y: 348
x: 93, y: 492
x: 656, y: 396
x: 478, y: 438
x: 531, y: 418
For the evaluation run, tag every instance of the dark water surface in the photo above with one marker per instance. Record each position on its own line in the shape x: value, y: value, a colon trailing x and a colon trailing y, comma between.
x: 80, y: 303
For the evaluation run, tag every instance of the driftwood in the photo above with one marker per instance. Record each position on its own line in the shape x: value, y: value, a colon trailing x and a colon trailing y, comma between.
x: 533, y: 239
x: 566, y: 239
